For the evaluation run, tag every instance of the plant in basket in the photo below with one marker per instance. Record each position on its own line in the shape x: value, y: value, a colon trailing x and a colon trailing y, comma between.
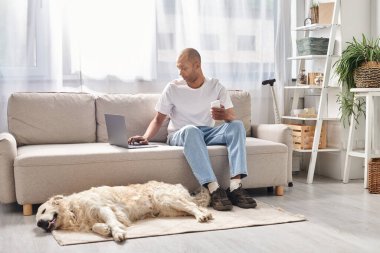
x: 358, y: 67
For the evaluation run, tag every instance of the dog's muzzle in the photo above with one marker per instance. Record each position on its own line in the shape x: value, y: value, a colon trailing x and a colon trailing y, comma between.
x: 48, y: 225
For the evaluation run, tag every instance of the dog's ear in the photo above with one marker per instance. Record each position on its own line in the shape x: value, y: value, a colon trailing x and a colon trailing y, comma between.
x: 56, y: 199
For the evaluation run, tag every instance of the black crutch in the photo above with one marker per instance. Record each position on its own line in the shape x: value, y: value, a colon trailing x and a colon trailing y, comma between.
x: 277, y: 118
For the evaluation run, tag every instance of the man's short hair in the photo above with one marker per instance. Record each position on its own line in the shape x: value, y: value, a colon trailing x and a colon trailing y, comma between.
x: 192, y: 54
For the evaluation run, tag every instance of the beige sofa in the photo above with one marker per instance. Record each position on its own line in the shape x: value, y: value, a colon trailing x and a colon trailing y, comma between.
x: 57, y: 144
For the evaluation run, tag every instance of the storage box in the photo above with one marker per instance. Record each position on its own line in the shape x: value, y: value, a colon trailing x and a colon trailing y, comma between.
x: 326, y: 11
x: 312, y: 46
x: 303, y: 136
x: 374, y: 176
x: 311, y: 77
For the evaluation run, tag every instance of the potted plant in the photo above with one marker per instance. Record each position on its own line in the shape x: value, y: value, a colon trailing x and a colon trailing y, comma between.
x: 357, y: 59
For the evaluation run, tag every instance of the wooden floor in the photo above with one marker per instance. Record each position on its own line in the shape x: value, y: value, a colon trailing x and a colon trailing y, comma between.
x: 341, y: 218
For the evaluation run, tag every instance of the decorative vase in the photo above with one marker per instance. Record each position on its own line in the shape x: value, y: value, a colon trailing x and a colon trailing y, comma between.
x: 302, y: 77
x: 314, y: 14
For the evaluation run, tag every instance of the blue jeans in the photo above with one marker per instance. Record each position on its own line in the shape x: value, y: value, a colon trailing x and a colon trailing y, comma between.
x: 195, y: 140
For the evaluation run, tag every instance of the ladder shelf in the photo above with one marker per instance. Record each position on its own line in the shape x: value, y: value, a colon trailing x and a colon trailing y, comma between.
x: 325, y: 88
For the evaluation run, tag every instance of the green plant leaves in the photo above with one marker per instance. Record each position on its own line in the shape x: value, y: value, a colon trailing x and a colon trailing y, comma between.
x: 350, y: 106
x: 356, y: 54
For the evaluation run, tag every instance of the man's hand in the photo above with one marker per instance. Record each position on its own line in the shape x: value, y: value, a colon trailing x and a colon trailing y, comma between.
x: 153, y: 128
x: 218, y: 113
x: 138, y: 139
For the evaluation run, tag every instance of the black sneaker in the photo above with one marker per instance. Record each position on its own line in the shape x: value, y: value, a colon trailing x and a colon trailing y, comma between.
x: 220, y: 201
x: 240, y: 197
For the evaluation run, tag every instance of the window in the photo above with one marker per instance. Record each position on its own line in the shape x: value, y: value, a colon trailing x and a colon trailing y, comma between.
x: 69, y: 39
x: 116, y: 38
x: 235, y: 38
x: 246, y: 43
x: 21, y: 50
x: 14, y: 46
x: 165, y: 41
x: 210, y: 42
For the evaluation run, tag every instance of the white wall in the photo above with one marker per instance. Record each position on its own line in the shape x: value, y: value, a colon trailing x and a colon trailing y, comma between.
x: 375, y: 18
x: 355, y: 18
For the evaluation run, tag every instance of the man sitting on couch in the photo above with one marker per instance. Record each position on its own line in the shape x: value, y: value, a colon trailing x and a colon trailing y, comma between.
x: 187, y: 102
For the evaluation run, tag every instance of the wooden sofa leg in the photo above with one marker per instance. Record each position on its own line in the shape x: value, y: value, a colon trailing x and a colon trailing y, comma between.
x: 279, y: 190
x: 27, y: 209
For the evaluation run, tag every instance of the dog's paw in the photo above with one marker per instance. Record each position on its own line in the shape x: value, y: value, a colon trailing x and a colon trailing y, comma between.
x: 204, y: 217
x: 119, y: 234
x: 102, y: 229
x: 206, y: 212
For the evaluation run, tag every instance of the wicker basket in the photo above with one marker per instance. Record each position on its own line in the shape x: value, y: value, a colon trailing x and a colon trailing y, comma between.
x: 374, y: 176
x: 368, y: 75
x: 312, y: 46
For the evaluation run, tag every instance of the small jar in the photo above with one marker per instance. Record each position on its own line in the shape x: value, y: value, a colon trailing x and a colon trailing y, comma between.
x: 302, y: 79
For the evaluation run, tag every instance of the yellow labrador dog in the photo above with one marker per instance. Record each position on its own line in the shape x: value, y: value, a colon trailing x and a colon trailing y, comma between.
x: 108, y: 211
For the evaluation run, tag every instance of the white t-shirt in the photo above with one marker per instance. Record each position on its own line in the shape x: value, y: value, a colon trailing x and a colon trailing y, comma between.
x: 187, y: 106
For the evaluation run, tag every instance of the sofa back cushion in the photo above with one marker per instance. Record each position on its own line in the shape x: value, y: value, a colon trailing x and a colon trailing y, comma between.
x: 52, y: 117
x: 138, y: 111
x: 242, y: 107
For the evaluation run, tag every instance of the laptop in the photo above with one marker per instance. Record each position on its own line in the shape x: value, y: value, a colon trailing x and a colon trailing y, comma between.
x: 117, y: 132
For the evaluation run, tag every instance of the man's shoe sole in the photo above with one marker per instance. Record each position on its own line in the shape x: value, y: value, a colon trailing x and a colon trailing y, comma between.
x: 253, y: 205
x: 223, y: 208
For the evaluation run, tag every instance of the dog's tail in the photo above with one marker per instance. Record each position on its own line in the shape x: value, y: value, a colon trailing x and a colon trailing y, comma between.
x: 202, y: 197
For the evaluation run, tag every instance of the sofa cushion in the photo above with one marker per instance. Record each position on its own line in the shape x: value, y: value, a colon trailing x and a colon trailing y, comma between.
x: 58, y: 154
x: 52, y: 117
x: 137, y: 109
x: 45, y: 170
x: 242, y: 107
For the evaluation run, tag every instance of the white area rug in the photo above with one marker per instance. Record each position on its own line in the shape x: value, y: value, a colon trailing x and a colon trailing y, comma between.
x: 263, y: 214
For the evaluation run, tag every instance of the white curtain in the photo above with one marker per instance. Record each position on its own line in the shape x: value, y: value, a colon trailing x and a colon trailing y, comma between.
x: 22, y: 66
x: 132, y: 46
x: 283, y: 50
x: 110, y: 38
x: 235, y: 39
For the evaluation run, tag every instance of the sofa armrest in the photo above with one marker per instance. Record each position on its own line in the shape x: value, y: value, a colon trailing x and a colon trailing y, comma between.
x: 277, y: 133
x: 8, y: 152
